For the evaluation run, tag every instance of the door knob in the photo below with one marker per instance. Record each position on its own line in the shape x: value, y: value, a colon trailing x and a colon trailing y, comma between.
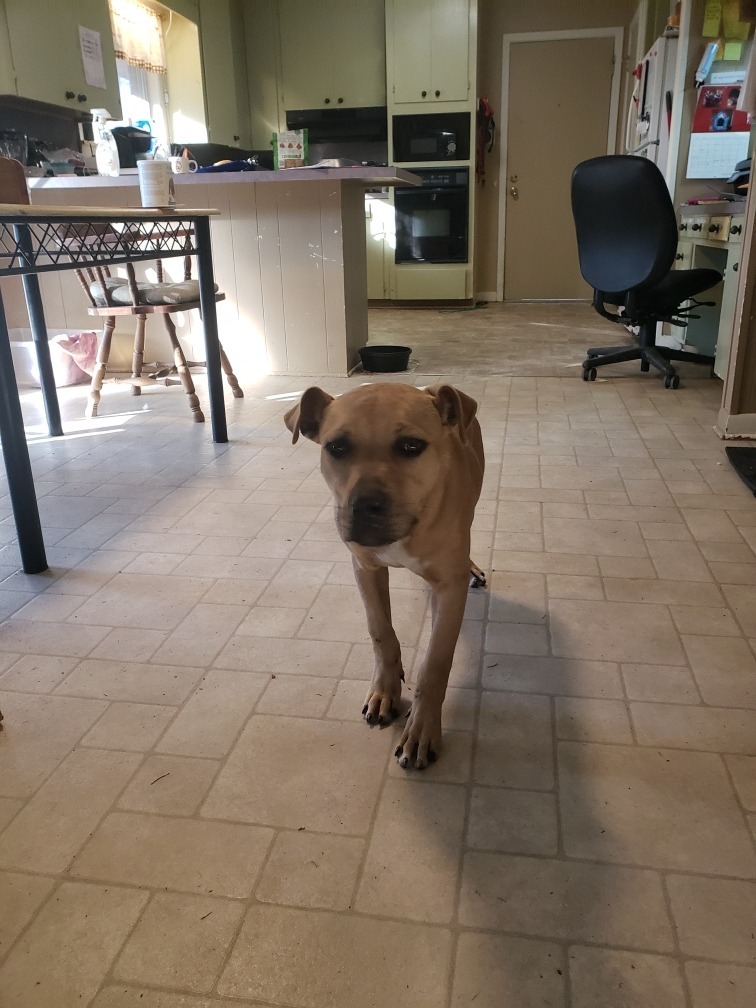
x: 514, y: 192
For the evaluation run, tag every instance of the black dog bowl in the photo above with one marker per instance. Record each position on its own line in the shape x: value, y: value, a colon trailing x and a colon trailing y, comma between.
x: 385, y: 358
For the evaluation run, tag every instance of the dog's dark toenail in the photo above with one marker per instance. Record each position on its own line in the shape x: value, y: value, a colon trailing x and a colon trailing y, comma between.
x: 364, y: 710
x: 431, y: 756
x: 398, y: 751
x: 381, y: 719
x: 394, y: 712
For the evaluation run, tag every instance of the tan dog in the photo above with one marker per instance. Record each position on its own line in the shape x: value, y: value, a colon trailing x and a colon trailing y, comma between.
x: 405, y: 466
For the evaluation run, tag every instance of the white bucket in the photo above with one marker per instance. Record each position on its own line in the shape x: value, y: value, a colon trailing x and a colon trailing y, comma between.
x: 65, y: 369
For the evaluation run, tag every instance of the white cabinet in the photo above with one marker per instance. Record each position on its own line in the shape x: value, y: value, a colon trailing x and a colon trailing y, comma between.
x: 46, y: 53
x: 427, y: 44
x: 379, y: 239
x: 224, y: 71
x: 332, y: 55
x: 729, y: 301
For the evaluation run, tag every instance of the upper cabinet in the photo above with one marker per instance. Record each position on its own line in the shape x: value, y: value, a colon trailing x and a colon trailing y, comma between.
x: 427, y: 44
x: 332, y: 55
x: 224, y: 71
x: 47, y: 58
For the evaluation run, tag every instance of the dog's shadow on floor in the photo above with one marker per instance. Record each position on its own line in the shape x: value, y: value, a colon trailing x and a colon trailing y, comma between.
x: 491, y: 829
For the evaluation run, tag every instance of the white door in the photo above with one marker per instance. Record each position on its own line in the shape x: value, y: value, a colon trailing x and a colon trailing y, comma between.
x: 560, y: 102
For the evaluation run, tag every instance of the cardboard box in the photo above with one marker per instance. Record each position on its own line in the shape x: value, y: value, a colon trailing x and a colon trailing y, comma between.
x: 290, y: 149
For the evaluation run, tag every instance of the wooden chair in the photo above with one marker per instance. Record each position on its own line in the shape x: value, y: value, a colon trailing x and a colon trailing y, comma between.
x: 110, y: 296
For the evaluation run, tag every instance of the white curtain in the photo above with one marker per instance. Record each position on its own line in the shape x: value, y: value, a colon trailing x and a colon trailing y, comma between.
x: 137, y: 35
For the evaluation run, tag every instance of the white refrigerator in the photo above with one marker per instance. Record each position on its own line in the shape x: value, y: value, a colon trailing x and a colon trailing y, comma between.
x: 650, y: 108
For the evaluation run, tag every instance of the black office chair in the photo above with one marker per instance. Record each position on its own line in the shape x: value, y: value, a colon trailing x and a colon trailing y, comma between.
x: 627, y: 240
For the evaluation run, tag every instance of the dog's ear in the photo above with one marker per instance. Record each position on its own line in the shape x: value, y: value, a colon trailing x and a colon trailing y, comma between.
x: 455, y: 408
x: 305, y: 418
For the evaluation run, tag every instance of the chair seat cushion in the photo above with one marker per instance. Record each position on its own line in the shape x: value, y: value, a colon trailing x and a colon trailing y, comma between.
x: 147, y: 293
x: 676, y: 287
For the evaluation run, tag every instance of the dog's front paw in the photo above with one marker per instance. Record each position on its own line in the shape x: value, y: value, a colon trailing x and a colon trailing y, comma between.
x: 382, y: 701
x: 421, y: 738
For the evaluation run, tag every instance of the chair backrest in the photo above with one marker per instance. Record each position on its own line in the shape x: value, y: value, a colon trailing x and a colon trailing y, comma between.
x: 13, y: 188
x: 625, y: 222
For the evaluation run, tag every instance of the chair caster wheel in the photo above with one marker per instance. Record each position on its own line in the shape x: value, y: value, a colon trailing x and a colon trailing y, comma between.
x: 589, y: 374
x: 672, y: 381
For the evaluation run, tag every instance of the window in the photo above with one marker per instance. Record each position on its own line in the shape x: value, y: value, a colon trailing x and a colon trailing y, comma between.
x: 142, y: 67
x: 159, y: 71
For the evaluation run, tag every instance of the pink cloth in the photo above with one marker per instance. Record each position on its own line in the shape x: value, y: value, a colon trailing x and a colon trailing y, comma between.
x: 73, y: 357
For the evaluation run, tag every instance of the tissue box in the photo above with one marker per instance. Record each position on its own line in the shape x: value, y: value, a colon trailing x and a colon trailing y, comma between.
x: 290, y: 149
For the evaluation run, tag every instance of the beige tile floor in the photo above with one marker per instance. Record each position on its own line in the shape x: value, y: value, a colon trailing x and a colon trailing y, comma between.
x: 192, y: 814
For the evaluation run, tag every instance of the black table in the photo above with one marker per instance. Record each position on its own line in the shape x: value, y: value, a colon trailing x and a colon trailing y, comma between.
x: 45, y: 239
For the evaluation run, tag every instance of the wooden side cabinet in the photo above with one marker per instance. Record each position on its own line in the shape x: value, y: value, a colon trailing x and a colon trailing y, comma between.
x: 332, y: 55
x: 427, y: 44
x: 46, y: 53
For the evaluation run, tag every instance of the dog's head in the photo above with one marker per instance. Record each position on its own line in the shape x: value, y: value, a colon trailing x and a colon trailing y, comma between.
x: 385, y: 450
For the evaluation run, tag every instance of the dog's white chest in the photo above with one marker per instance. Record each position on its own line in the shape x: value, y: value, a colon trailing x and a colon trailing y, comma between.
x: 395, y: 555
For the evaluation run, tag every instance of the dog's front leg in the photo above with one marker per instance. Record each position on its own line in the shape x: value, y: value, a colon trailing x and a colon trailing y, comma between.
x: 386, y: 686
x: 421, y: 737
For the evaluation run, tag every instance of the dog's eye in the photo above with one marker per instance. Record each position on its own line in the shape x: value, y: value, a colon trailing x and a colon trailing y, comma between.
x: 410, y: 447
x: 337, y: 449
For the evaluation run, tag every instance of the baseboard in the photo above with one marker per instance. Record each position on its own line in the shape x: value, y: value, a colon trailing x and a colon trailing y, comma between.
x: 736, y: 425
x: 486, y: 296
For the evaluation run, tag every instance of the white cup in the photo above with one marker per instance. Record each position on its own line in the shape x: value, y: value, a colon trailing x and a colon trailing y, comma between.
x: 156, y: 184
x: 181, y: 165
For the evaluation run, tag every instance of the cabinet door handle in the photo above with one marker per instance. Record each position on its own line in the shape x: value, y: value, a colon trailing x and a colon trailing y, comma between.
x: 340, y: 101
x: 81, y: 97
x: 438, y: 94
x: 70, y: 94
x: 327, y: 101
x: 423, y: 93
x: 735, y: 267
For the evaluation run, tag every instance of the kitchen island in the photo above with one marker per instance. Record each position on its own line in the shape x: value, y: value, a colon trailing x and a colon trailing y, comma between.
x: 288, y: 250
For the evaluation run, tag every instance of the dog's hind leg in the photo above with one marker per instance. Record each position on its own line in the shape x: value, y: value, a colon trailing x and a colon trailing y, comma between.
x: 386, y: 686
x: 477, y: 576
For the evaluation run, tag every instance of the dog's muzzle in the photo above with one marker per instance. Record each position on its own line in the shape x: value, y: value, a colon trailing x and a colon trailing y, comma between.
x: 370, y: 520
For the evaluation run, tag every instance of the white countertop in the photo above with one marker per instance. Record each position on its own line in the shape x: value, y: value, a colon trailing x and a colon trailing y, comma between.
x: 364, y: 175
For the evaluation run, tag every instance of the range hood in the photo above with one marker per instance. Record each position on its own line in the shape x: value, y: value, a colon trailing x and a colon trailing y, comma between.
x: 336, y: 125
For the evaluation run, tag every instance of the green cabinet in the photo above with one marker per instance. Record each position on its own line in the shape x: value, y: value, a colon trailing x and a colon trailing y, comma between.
x: 224, y: 71
x: 332, y: 55
x: 45, y: 50
x: 427, y: 48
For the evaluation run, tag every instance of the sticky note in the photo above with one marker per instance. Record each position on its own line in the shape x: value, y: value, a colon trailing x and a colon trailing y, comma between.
x: 732, y: 50
x: 712, y: 19
x: 734, y: 28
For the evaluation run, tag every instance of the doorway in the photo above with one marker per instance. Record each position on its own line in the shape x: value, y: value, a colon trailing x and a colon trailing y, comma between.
x: 560, y: 101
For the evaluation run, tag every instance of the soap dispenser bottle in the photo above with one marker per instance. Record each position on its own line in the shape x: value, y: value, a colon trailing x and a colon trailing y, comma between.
x: 106, y: 151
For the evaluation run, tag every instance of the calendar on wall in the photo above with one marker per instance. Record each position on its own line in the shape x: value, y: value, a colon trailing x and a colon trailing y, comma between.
x: 720, y: 132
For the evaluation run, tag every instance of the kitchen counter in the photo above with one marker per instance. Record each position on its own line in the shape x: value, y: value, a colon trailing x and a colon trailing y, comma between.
x: 289, y: 253
x: 364, y: 175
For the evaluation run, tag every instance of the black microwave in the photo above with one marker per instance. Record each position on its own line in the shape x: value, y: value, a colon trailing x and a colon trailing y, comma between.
x: 437, y: 136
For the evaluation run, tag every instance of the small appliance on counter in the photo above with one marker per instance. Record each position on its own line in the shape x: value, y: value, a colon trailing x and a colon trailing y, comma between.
x: 14, y: 145
x: 119, y: 144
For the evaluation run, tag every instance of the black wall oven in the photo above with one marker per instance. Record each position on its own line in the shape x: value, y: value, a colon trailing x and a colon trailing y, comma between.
x: 432, y: 219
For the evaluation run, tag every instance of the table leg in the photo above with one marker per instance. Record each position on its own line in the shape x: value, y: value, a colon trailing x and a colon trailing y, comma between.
x: 36, y: 314
x: 210, y: 325
x: 42, y: 348
x: 17, y: 462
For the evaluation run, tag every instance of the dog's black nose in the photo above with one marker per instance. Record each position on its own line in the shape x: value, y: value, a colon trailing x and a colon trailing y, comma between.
x: 370, y: 519
x: 370, y: 506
